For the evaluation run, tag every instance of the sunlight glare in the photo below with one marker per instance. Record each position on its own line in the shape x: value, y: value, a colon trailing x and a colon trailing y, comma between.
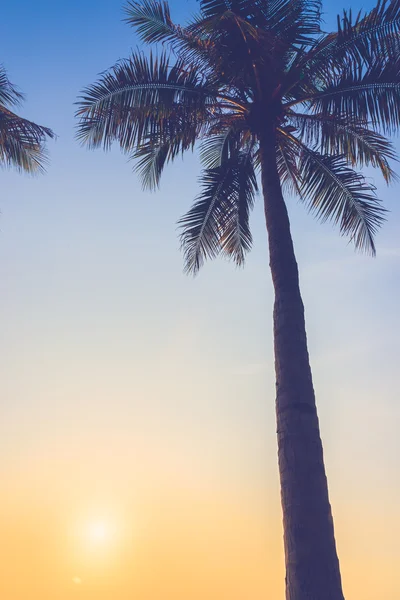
x: 99, y: 532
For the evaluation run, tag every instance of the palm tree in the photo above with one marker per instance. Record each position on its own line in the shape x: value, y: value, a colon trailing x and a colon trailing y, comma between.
x: 264, y: 90
x: 21, y: 141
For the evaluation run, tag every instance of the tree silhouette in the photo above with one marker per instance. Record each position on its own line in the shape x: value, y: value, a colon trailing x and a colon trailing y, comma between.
x: 261, y: 89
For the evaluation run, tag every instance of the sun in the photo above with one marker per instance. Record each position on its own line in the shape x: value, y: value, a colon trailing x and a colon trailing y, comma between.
x: 96, y: 537
x: 99, y: 533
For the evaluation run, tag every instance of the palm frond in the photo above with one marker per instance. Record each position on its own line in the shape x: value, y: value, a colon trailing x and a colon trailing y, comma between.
x: 236, y: 238
x: 215, y: 149
x: 152, y: 156
x: 150, y: 160
x: 361, y: 38
x: 335, y: 135
x: 297, y: 21
x: 9, y: 95
x: 224, y: 139
x: 22, y: 142
x: 201, y: 234
x: 216, y: 8
x: 218, y: 221
x: 334, y: 191
x: 141, y: 97
x: 286, y: 161
x: 366, y: 96
x: 359, y: 42
x: 153, y: 23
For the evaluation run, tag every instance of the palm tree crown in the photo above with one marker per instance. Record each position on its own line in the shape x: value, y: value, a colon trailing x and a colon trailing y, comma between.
x: 235, y: 69
x: 21, y: 141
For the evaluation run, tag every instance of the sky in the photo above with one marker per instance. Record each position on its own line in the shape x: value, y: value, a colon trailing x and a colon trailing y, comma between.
x: 137, y: 432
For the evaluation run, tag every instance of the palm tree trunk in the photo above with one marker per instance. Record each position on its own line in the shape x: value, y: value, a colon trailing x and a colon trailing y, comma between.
x: 312, y: 565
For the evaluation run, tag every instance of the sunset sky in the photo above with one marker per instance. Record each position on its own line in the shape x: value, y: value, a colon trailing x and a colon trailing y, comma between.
x: 137, y: 432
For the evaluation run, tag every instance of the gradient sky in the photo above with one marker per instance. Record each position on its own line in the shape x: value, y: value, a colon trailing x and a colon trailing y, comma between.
x: 136, y: 397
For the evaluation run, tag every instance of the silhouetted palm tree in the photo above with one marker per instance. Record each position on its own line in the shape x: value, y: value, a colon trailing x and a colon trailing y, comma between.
x: 264, y: 90
x: 22, y: 143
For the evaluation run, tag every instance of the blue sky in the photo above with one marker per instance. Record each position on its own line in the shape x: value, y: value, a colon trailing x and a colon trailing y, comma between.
x: 104, y: 343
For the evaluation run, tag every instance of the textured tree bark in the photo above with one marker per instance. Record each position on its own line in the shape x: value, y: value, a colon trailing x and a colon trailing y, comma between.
x: 312, y: 565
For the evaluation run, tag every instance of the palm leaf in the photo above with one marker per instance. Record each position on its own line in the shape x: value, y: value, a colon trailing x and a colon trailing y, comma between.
x: 9, y: 95
x: 359, y: 42
x: 335, y: 135
x: 152, y: 156
x: 336, y: 192
x: 366, y: 96
x: 236, y: 239
x: 297, y: 21
x: 216, y: 8
x: 286, y: 161
x: 223, y: 140
x: 150, y: 162
x: 141, y: 97
x: 153, y: 23
x: 362, y: 38
x: 218, y: 221
x: 215, y: 149
x: 22, y: 142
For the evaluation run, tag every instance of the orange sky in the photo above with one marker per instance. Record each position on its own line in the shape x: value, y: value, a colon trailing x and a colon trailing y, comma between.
x: 175, y: 526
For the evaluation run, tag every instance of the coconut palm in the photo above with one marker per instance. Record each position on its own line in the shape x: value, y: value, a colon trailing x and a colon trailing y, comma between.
x: 259, y: 88
x: 21, y: 141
